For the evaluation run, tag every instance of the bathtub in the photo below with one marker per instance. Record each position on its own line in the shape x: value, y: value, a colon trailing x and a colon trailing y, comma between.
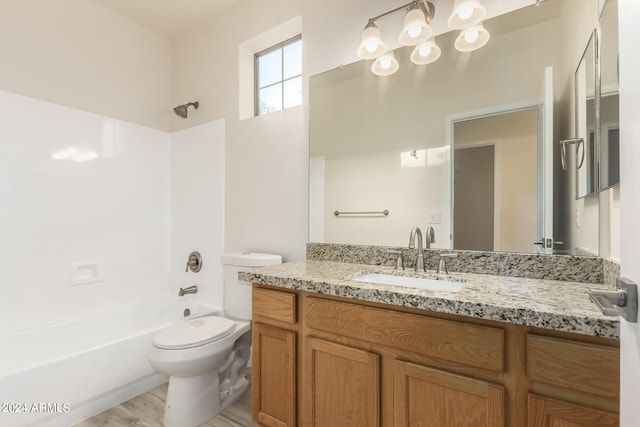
x: 64, y: 373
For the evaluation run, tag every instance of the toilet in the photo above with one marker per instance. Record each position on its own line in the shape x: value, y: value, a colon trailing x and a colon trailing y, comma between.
x: 206, y: 358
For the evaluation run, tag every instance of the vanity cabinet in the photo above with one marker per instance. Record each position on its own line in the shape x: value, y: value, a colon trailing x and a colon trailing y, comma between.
x: 399, y: 356
x: 274, y: 358
x: 342, y: 385
x: 549, y: 412
x: 431, y: 397
x: 575, y: 383
x: 343, y: 362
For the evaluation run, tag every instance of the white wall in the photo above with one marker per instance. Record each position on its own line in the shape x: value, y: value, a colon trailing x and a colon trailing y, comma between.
x: 79, y: 54
x: 266, y: 158
x: 629, y: 202
x: 197, y: 209
x: 77, y: 187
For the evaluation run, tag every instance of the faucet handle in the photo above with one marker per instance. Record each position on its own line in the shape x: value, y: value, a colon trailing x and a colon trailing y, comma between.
x: 399, y: 260
x: 442, y: 264
x: 194, y: 262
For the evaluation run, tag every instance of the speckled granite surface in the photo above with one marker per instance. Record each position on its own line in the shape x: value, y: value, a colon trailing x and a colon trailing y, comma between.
x: 534, y: 266
x: 561, y: 306
x: 611, y: 271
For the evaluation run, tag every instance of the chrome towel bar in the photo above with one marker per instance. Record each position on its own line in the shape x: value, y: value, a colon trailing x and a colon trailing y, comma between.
x: 384, y: 212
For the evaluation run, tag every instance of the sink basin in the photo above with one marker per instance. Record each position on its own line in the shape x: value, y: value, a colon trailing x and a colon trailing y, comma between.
x: 427, y: 283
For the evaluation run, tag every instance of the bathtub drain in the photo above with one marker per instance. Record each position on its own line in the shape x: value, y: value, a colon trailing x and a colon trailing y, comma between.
x: 187, y: 312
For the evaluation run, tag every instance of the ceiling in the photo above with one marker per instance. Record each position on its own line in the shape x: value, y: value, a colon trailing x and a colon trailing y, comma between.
x: 173, y: 17
x: 166, y: 17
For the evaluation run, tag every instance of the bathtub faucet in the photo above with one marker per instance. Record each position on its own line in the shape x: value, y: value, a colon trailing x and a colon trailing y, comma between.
x: 190, y: 290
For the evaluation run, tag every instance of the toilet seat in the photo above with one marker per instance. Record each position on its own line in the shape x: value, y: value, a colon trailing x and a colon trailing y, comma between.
x: 194, y: 333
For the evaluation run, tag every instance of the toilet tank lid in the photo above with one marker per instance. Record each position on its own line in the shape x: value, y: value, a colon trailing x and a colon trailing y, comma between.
x: 250, y: 259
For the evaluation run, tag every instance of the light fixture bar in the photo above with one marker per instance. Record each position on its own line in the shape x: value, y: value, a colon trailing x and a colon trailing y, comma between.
x: 427, y: 7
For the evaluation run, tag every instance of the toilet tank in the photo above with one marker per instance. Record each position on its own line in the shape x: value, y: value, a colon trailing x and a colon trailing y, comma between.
x: 237, y: 293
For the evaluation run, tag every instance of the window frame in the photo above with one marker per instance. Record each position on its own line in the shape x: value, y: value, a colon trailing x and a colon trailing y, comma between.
x: 256, y: 73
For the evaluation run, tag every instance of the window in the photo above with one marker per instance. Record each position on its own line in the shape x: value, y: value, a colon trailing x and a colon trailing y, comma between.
x: 278, y: 74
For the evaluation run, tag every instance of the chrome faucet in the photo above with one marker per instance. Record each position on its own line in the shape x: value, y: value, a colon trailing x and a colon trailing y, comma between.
x: 412, y: 244
x: 430, y: 237
x: 190, y: 290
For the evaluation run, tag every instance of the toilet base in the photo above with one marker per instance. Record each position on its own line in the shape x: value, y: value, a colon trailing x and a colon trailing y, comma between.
x: 204, y: 403
x: 194, y: 400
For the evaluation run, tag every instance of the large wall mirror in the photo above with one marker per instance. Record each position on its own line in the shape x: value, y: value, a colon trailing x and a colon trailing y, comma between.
x: 402, y: 143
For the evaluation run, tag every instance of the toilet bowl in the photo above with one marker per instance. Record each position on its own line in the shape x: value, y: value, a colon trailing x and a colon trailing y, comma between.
x: 206, y: 358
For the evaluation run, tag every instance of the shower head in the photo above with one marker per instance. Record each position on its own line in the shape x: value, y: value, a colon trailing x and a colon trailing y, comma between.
x: 181, y: 110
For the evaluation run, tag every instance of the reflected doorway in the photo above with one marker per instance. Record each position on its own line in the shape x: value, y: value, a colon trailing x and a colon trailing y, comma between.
x: 473, y: 198
x: 495, y: 187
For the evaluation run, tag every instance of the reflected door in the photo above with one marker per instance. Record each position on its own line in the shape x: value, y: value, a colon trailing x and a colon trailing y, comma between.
x: 473, y: 199
x: 495, y: 181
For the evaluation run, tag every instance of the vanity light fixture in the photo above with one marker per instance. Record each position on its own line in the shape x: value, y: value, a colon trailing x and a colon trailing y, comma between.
x: 425, y: 53
x: 467, y: 16
x: 385, y: 65
x: 371, y: 46
x: 472, y: 38
x: 416, y: 29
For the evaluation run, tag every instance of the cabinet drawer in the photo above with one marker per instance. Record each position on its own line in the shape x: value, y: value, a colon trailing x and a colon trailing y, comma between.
x: 588, y: 368
x: 275, y: 305
x: 460, y: 342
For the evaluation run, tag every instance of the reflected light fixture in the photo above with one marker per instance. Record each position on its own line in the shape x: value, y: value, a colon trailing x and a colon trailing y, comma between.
x: 385, y: 65
x: 465, y: 14
x: 472, y: 38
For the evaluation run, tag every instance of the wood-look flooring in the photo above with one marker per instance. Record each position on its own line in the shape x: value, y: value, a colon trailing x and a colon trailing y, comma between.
x: 147, y: 410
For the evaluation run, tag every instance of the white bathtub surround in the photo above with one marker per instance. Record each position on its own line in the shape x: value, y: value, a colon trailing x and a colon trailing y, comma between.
x: 79, y: 188
x: 85, y: 366
x: 86, y: 232
x: 197, y: 208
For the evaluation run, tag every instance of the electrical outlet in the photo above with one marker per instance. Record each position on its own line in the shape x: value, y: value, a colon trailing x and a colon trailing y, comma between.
x: 434, y: 217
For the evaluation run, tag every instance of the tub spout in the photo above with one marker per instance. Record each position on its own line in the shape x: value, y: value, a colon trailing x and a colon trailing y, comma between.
x: 190, y: 290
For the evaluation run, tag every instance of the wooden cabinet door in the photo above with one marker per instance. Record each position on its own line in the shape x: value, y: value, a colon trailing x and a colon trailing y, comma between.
x: 548, y: 412
x: 426, y: 397
x: 274, y: 372
x: 342, y: 385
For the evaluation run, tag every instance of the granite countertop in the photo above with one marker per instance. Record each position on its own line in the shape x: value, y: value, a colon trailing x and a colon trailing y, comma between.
x: 551, y: 304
